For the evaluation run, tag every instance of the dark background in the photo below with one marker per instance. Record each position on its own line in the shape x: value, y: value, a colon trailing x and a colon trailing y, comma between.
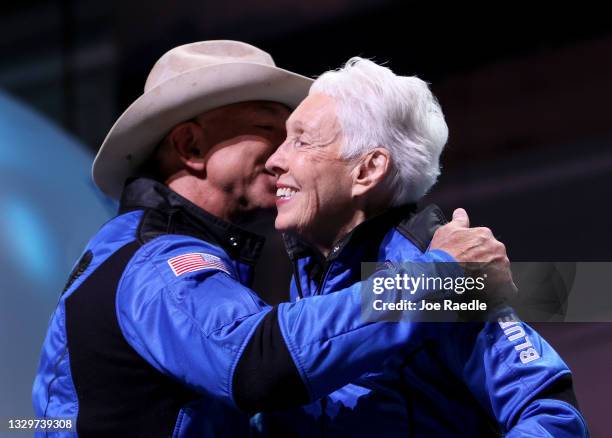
x: 526, y: 95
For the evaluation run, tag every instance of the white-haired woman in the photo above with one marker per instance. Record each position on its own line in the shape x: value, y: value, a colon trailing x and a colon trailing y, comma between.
x: 360, y: 150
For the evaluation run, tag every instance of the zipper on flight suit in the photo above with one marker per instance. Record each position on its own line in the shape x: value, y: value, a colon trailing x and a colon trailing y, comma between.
x: 327, y: 265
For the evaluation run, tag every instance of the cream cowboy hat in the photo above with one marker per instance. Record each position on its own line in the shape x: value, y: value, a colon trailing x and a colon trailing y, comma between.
x: 186, y: 81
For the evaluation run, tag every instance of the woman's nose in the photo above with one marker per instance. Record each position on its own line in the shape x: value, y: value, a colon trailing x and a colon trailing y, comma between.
x: 276, y: 163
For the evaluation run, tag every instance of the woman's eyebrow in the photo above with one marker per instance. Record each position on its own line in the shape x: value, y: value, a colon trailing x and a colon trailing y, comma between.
x: 299, y: 126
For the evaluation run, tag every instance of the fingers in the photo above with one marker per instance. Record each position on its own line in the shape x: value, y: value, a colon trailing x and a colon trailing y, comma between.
x: 461, y: 218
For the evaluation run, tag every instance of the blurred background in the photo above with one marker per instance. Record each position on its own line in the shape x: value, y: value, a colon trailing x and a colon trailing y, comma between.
x: 526, y: 95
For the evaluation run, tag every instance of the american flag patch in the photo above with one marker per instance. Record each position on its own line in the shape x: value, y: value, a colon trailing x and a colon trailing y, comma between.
x: 196, y: 261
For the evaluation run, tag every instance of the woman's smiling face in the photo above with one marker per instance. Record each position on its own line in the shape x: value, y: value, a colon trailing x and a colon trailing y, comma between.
x: 314, y: 183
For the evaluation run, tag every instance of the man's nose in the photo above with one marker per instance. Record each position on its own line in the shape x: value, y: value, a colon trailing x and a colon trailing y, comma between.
x: 276, y: 163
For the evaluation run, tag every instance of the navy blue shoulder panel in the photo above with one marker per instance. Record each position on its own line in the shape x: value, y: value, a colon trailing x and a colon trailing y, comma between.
x: 119, y: 393
x: 419, y: 228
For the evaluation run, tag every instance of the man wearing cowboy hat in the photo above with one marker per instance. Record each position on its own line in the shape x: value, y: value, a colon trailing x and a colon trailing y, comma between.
x: 156, y: 332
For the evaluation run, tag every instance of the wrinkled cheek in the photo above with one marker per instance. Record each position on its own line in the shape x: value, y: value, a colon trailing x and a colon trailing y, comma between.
x: 307, y: 214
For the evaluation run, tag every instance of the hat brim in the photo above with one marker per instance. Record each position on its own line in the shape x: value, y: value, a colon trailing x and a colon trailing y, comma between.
x: 144, y: 124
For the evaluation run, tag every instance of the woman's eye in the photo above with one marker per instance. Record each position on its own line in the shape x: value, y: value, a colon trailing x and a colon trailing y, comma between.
x: 298, y: 143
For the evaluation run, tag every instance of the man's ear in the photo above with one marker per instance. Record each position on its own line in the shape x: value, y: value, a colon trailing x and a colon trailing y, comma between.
x: 187, y: 140
x: 371, y: 171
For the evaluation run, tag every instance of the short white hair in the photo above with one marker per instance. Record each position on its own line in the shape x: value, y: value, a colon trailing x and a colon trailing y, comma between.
x: 377, y: 108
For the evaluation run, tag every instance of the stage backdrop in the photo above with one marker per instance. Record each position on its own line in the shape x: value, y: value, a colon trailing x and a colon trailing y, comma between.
x: 49, y: 209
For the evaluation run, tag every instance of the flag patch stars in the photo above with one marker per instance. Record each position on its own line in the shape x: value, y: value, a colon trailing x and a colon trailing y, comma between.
x: 196, y: 261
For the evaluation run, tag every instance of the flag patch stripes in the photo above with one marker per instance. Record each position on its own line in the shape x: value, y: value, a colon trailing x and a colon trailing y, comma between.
x: 196, y: 261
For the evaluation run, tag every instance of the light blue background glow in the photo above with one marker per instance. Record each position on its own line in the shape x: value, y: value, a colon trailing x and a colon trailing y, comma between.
x: 49, y: 209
